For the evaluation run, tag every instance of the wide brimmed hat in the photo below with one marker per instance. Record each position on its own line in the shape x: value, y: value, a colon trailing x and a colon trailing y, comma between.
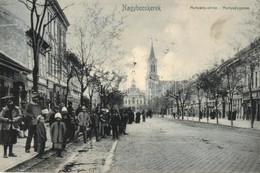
x: 7, y: 97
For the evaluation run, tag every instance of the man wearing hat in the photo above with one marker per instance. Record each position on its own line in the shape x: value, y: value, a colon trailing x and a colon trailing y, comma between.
x: 32, y: 112
x: 57, y: 132
x: 9, y: 118
x: 84, y: 122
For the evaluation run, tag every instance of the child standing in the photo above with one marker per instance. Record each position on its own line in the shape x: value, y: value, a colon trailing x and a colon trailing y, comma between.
x: 58, y: 130
x: 41, y: 136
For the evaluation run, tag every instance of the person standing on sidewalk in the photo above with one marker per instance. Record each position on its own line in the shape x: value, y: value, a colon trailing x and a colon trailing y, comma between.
x: 58, y: 130
x: 32, y: 112
x: 41, y: 136
x: 71, y: 128
x: 143, y: 116
x: 24, y: 123
x: 9, y: 118
x: 124, y: 119
x: 114, y: 122
x: 83, y: 122
x: 66, y: 120
x: 96, y: 124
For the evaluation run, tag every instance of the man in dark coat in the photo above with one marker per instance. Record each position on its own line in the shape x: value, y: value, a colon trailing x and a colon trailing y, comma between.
x: 41, y: 136
x: 114, y: 122
x: 138, y: 117
x: 131, y: 116
x: 71, y: 128
x: 143, y: 116
x: 124, y: 119
x: 32, y: 112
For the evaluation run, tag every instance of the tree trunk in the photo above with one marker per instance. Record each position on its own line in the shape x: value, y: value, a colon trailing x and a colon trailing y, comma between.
x: 216, y: 109
x: 251, y: 109
x: 223, y: 107
x: 90, y: 102
x: 231, y: 109
x: 251, y: 96
x: 199, y: 109
x: 35, y: 72
x: 207, y: 109
x: 67, y: 90
x: 182, y: 111
x: 178, y: 109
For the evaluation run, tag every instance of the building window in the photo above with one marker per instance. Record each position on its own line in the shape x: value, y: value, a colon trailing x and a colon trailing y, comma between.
x: 133, y: 100
x: 54, y: 29
x: 126, y: 102
x: 129, y: 102
x: 141, y: 102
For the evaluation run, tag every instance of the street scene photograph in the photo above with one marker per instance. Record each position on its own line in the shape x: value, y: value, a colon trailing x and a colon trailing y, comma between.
x: 135, y: 86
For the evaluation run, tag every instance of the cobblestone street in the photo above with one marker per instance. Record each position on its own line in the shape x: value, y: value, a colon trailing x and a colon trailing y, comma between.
x: 167, y: 145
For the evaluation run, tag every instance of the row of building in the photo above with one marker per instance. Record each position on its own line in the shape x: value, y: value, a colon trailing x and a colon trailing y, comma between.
x: 16, y: 56
x: 240, y: 63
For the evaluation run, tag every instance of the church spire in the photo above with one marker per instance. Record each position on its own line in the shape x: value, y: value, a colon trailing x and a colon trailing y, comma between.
x: 133, y: 85
x: 152, y: 56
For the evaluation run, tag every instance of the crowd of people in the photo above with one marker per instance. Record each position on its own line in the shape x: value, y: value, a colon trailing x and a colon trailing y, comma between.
x: 65, y: 124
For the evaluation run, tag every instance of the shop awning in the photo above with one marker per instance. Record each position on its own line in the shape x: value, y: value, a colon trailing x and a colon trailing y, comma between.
x: 8, y: 62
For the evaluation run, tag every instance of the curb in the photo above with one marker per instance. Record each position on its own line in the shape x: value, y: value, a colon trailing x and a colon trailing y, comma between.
x: 30, y: 158
x: 109, y: 158
x: 23, y: 161
x: 216, y: 124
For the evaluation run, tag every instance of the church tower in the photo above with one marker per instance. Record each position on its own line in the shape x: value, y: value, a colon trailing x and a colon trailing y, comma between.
x: 152, y: 78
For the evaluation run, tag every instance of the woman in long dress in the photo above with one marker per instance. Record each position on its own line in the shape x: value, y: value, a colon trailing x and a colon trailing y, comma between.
x: 9, y: 119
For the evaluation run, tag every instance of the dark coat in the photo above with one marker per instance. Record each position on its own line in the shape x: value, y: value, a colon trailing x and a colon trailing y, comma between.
x: 33, y: 111
x: 58, y: 130
x: 41, y: 133
x: 6, y: 115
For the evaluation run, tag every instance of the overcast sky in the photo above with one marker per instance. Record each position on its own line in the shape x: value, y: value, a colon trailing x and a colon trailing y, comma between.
x: 186, y: 39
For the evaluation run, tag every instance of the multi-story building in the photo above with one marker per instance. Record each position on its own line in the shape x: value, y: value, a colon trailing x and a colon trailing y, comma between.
x: 241, y: 62
x: 134, y: 98
x: 13, y: 63
x: 52, y: 75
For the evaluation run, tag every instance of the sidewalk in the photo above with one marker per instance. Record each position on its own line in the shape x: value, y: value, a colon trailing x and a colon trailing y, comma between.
x: 19, y: 150
x: 236, y: 123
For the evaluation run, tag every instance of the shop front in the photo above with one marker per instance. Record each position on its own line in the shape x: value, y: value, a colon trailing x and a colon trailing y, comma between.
x: 255, y: 106
x: 12, y: 80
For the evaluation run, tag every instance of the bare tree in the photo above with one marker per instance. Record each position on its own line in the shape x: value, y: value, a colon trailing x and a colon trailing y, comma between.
x: 231, y: 73
x: 69, y: 63
x: 96, y: 36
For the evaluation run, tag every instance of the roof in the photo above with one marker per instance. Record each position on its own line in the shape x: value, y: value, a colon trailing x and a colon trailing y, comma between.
x: 8, y: 62
x: 152, y: 56
x: 61, y: 15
